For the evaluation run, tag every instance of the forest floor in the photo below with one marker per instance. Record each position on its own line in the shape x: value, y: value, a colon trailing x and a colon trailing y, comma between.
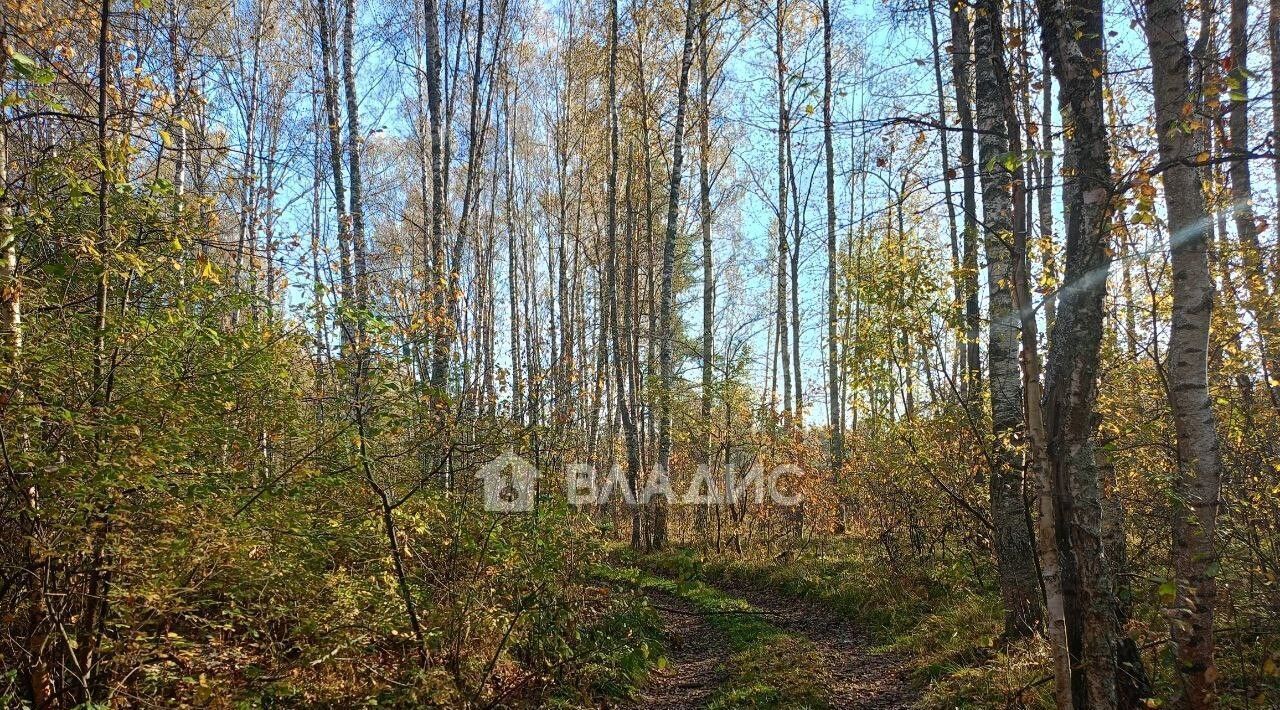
x: 860, y: 675
x: 697, y: 652
x: 732, y: 647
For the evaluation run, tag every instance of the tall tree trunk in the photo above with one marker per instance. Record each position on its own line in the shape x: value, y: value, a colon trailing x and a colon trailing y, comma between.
x: 1072, y: 33
x: 1198, y: 482
x: 708, y: 276
x: 477, y: 131
x: 948, y: 196
x: 269, y: 219
x: 513, y: 259
x: 421, y: 345
x: 615, y: 329
x: 247, y: 187
x: 38, y: 676
x: 667, y: 334
x: 779, y: 18
x: 961, y: 61
x: 333, y: 120
x: 317, y: 281
x: 10, y: 285
x: 441, y: 342
x: 793, y: 273
x: 179, y: 122
x: 626, y: 360
x: 1015, y: 557
x: 1055, y: 621
x: 1260, y: 299
x: 834, y: 420
x: 1045, y: 197
x: 84, y: 653
x: 1050, y: 566
x: 356, y: 212
x: 1273, y: 45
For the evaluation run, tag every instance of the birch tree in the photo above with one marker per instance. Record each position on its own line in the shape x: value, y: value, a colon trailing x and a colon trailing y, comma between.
x: 1197, y: 484
x: 1015, y: 557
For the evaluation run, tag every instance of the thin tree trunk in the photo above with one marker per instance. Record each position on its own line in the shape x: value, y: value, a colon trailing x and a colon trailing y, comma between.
x: 317, y: 282
x: 834, y: 419
x: 478, y: 128
x: 961, y: 62
x: 513, y: 260
x: 246, y: 242
x: 1045, y: 198
x: 333, y: 121
x: 38, y: 677
x: 387, y: 509
x: 1055, y: 620
x: 615, y: 329
x: 269, y: 221
x: 10, y: 285
x: 441, y: 342
x: 779, y: 18
x: 945, y: 154
x: 708, y: 278
x: 668, y: 268
x: 179, y: 122
x: 1273, y: 45
x: 793, y: 273
x: 1260, y: 298
x: 630, y: 355
x: 97, y: 584
x: 354, y: 139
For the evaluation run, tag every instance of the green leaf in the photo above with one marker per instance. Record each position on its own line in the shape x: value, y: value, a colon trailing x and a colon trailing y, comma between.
x: 29, y: 69
x: 24, y: 65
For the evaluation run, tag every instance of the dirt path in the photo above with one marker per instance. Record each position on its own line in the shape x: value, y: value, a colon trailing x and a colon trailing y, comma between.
x: 858, y: 677
x: 695, y: 656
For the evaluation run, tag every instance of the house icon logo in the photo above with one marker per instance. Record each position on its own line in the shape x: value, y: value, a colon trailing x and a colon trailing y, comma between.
x: 509, y: 484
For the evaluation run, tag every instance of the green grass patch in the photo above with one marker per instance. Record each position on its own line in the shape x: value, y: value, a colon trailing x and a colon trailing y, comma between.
x: 844, y: 579
x: 767, y: 668
x: 941, y: 618
x: 958, y: 666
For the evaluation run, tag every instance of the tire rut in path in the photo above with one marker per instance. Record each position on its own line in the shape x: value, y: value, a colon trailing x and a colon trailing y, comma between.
x: 860, y: 677
x: 695, y: 657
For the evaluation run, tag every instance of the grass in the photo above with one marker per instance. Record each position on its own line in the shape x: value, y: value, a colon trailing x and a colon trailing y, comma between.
x: 766, y: 668
x: 941, y: 618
